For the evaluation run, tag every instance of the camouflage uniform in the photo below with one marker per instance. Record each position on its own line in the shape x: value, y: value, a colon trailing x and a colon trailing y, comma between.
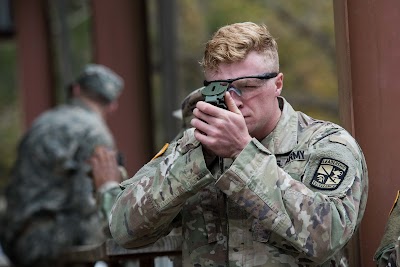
x: 389, y: 249
x: 51, y: 200
x: 294, y: 198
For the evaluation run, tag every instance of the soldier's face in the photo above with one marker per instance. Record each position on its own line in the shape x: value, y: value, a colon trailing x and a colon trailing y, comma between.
x: 259, y: 105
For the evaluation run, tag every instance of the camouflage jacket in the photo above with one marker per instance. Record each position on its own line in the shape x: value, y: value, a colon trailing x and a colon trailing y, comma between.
x: 51, y: 198
x: 294, y: 198
x: 387, y: 254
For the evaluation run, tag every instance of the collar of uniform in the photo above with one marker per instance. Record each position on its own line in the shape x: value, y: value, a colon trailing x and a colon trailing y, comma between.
x: 79, y: 103
x: 76, y: 102
x: 284, y: 137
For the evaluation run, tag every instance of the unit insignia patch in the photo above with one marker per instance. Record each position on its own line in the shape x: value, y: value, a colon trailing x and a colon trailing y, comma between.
x: 329, y: 174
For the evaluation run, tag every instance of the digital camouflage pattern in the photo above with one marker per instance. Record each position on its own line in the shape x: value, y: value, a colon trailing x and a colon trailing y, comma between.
x: 101, y: 80
x: 292, y: 199
x: 188, y: 104
x: 51, y: 200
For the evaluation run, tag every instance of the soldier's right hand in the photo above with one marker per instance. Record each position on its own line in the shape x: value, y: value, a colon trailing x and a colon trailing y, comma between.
x: 104, y: 166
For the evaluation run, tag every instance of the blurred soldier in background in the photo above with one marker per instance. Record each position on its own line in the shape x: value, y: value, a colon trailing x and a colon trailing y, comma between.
x: 53, y: 202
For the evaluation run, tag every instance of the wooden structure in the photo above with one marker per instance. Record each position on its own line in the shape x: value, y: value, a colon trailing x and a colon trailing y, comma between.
x: 367, y: 41
x: 120, y: 42
x: 113, y: 254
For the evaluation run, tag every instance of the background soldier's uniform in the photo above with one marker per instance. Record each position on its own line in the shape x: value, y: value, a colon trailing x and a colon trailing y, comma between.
x: 51, y: 200
x: 292, y: 199
x: 387, y: 255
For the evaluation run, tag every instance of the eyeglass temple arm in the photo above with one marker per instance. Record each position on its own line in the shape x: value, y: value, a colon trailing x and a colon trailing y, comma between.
x: 264, y: 76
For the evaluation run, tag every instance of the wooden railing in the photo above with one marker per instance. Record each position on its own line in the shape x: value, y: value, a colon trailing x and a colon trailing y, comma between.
x: 114, y: 255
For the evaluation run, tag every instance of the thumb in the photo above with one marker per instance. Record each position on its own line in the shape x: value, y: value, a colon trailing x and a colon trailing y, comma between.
x: 230, y: 103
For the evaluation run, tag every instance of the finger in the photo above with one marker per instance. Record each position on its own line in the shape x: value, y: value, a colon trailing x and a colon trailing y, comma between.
x: 200, y: 125
x: 208, y: 109
x: 96, y: 151
x: 92, y: 161
x: 111, y: 154
x: 230, y: 103
x: 198, y: 114
x: 103, y: 152
x: 202, y: 137
x: 99, y: 151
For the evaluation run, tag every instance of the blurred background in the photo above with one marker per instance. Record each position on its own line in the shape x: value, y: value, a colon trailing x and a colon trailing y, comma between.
x: 155, y: 45
x: 176, y: 32
x: 340, y: 60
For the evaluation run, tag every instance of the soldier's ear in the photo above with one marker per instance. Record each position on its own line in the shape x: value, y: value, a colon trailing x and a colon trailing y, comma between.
x: 75, y: 90
x: 278, y: 84
x: 113, y: 106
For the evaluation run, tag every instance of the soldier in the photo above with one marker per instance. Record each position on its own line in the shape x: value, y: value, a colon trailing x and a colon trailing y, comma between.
x: 52, y: 202
x: 256, y: 184
x: 387, y: 254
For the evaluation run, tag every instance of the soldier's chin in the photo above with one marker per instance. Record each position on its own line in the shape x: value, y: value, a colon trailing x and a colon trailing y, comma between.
x: 249, y: 122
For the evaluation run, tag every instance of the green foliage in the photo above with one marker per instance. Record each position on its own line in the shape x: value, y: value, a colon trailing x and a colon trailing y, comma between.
x: 70, y: 32
x: 304, y: 30
x: 305, y: 33
x: 7, y: 73
x: 10, y: 126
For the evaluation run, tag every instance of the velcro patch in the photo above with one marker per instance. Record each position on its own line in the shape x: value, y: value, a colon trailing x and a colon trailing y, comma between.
x: 329, y: 174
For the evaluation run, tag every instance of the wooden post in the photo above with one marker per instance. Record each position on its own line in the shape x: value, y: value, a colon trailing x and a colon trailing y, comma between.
x: 367, y: 40
x: 33, y: 59
x: 120, y: 42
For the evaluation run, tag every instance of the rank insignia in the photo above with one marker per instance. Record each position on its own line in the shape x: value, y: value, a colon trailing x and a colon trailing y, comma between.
x: 163, y: 149
x: 329, y: 175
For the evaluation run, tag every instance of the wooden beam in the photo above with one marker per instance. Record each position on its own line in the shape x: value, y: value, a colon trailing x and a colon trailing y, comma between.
x: 367, y: 40
x: 120, y: 42
x: 33, y: 58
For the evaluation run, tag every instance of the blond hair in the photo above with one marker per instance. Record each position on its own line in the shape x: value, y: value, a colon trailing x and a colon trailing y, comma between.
x: 233, y: 42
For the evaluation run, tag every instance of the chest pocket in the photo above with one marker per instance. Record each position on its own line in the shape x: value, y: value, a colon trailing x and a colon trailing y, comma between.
x: 268, y: 237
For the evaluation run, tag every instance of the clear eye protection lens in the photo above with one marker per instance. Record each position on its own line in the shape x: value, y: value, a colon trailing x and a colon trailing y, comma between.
x: 237, y: 91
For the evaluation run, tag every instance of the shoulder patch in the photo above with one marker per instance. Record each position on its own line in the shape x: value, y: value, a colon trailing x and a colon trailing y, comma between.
x: 329, y: 174
x: 163, y: 149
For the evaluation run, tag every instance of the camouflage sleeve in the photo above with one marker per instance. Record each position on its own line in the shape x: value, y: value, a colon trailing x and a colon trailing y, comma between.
x: 152, y: 199
x: 108, y: 192
x: 106, y: 196
x: 389, y: 258
x: 386, y: 253
x: 392, y: 259
x: 395, y: 258
x: 312, y: 220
